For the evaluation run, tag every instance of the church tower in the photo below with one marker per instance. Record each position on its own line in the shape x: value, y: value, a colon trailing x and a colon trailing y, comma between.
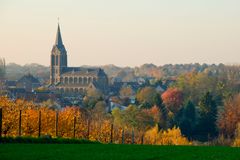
x: 58, y: 59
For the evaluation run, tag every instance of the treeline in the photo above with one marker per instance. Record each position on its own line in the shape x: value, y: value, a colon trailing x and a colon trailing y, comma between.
x: 167, y: 71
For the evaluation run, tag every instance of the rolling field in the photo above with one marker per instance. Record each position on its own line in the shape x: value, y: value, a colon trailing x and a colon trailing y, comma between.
x: 111, y: 151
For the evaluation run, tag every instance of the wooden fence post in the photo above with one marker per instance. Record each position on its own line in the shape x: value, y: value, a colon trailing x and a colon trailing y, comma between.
x: 132, y: 136
x: 111, y: 136
x: 56, y: 124
x: 39, y: 123
x: 88, y: 128
x: 74, y: 126
x: 20, y: 123
x: 123, y: 136
x: 0, y: 122
x: 142, y: 139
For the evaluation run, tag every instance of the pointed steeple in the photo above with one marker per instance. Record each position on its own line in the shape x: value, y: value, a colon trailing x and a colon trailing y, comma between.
x: 58, y: 41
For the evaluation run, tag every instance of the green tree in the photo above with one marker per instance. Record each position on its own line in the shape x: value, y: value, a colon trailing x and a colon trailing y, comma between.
x: 187, y: 121
x: 208, y: 114
x: 157, y: 99
x: 146, y: 97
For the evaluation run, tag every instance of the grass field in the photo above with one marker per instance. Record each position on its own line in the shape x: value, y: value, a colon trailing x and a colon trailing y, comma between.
x: 111, y: 151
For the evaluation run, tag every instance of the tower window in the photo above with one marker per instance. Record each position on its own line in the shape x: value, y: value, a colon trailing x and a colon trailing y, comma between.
x: 56, y: 60
x: 53, y: 60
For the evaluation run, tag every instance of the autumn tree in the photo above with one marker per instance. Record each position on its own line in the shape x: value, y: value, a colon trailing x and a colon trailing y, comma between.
x: 92, y: 97
x: 146, y: 97
x: 173, y: 99
x: 171, y: 136
x: 236, y: 142
x: 230, y: 116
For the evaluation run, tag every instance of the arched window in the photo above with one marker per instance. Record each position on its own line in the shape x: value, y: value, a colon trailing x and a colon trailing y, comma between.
x: 85, y: 80
x: 89, y: 79
x: 53, y: 60
x: 67, y: 90
x: 81, y: 90
x: 80, y: 80
x: 66, y: 80
x: 76, y: 90
x: 75, y: 80
x: 70, y: 80
x: 56, y: 60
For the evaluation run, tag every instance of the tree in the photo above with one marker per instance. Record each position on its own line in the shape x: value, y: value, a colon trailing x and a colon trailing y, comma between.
x: 187, y: 120
x: 132, y: 117
x: 157, y: 99
x: 236, y: 141
x: 126, y: 92
x: 3, y: 90
x: 230, y: 116
x: 99, y: 111
x: 146, y: 97
x: 171, y: 136
x: 206, y: 127
x: 173, y: 99
x: 92, y: 97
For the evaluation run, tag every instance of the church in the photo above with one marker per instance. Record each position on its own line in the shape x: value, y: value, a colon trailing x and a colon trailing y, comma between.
x: 72, y: 80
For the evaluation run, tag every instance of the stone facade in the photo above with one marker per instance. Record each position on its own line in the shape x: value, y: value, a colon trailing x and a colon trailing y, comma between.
x: 73, y: 79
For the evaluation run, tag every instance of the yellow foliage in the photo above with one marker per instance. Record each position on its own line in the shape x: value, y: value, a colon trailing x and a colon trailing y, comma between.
x: 169, y: 137
x: 236, y: 142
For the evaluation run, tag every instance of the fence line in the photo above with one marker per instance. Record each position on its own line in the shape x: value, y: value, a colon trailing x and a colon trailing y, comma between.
x: 39, y: 123
x: 20, y: 123
x: 74, y: 126
x: 0, y: 122
x: 56, y: 124
x: 111, y: 134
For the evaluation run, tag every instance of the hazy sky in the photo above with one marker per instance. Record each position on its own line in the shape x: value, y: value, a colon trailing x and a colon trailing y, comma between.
x: 121, y: 32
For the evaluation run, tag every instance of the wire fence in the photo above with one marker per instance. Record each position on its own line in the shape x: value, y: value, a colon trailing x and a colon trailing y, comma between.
x: 37, y: 123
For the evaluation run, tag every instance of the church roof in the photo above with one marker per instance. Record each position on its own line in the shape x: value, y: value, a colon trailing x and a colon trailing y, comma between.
x: 58, y: 41
x: 70, y: 71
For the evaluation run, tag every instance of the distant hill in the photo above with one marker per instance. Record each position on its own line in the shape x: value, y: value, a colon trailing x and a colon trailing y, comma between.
x: 15, y: 71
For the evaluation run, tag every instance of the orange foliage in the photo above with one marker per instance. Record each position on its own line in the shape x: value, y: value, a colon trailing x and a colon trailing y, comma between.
x: 173, y: 99
x: 229, y: 119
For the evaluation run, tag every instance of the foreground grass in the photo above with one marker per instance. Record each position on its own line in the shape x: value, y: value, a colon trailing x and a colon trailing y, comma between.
x: 111, y: 151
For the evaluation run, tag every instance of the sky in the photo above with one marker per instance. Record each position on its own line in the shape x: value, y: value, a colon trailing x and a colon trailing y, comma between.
x: 121, y: 32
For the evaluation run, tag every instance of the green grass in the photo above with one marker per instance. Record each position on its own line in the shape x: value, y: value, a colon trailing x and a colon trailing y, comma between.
x: 111, y: 151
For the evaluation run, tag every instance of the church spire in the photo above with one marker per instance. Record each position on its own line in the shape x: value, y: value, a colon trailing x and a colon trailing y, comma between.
x: 58, y: 41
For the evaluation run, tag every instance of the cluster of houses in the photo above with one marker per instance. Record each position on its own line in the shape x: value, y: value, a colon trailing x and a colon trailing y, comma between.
x: 30, y: 88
